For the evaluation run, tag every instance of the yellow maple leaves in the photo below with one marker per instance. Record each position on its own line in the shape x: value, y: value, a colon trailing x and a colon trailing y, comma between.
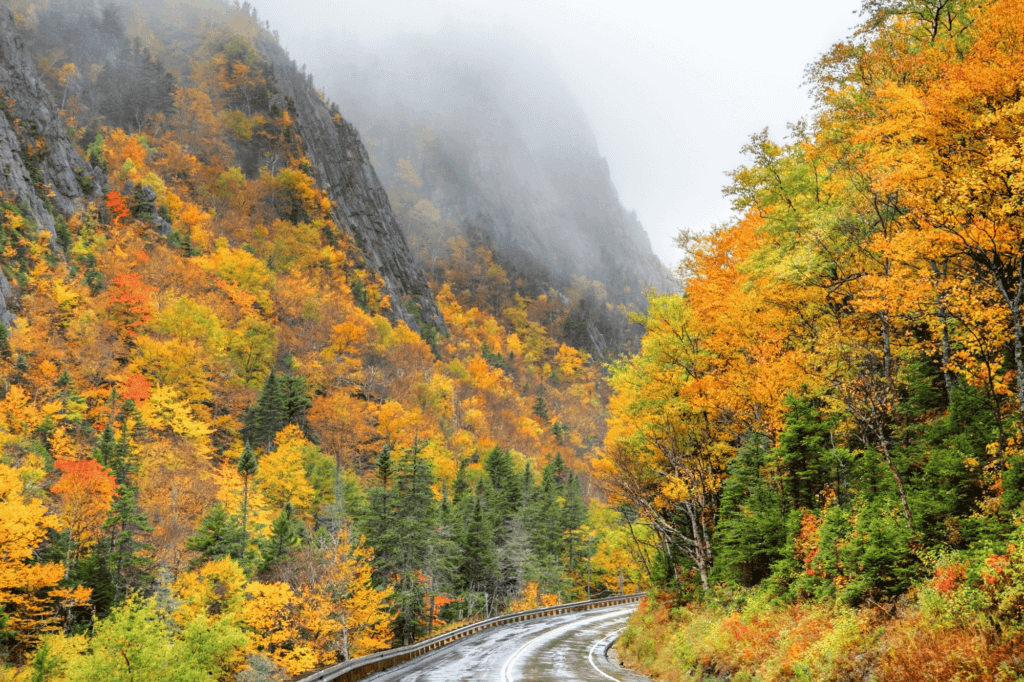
x: 25, y: 586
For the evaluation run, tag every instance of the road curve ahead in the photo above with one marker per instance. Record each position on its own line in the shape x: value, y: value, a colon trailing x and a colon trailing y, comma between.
x: 566, y: 647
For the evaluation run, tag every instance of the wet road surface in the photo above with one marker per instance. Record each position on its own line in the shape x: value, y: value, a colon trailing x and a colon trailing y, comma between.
x: 567, y: 647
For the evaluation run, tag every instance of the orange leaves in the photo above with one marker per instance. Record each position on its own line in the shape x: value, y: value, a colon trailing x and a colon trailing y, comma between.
x: 85, y: 491
x: 131, y: 302
x: 118, y: 209
x: 948, y: 578
x: 136, y: 388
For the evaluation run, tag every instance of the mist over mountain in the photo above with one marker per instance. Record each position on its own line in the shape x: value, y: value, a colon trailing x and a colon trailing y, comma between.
x: 475, y: 134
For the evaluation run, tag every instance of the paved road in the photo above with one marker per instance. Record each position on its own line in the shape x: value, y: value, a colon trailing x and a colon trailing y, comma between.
x: 566, y: 647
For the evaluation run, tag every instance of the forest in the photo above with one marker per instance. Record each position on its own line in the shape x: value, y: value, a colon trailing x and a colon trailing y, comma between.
x: 825, y: 431
x: 223, y: 455
x: 227, y: 452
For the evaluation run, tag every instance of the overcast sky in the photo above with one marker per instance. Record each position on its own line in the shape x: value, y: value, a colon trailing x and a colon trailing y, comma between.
x: 671, y: 89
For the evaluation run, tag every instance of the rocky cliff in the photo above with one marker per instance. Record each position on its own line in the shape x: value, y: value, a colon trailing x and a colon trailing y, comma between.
x: 341, y: 165
x: 497, y: 141
x: 42, y: 172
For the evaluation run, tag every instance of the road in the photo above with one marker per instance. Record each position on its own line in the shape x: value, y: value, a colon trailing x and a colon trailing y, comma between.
x: 566, y: 647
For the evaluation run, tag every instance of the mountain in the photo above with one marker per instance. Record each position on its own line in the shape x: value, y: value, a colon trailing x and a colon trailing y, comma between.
x: 478, y: 136
x: 224, y: 375
x: 42, y: 170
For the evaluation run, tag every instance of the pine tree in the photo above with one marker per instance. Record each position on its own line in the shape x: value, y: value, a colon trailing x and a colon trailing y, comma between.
x: 479, y: 567
x: 268, y: 416
x: 219, y: 535
x: 751, y: 533
x: 247, y: 466
x: 286, y: 534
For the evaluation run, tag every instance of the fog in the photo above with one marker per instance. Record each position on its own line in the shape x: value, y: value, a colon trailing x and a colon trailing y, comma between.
x: 671, y: 90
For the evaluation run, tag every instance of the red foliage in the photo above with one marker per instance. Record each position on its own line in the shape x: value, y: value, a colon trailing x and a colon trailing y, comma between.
x: 118, y: 209
x: 131, y: 301
x: 948, y: 578
x: 136, y: 388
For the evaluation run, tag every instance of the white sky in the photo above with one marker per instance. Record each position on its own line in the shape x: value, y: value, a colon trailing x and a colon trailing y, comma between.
x: 671, y: 89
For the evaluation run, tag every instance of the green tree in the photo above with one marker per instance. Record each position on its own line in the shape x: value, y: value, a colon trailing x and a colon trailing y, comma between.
x: 751, y: 532
x: 286, y: 534
x: 478, y: 569
x: 136, y: 642
x: 219, y: 535
x: 247, y: 467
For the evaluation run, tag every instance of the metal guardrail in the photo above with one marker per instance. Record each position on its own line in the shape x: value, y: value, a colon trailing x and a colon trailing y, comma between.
x: 358, y: 668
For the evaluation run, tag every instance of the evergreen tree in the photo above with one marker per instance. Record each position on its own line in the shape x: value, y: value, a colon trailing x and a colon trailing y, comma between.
x: 540, y: 409
x: 247, y: 466
x: 219, y: 535
x: 295, y: 396
x: 264, y: 419
x: 286, y: 534
x: 132, y: 86
x: 751, y: 533
x: 544, y: 514
x: 505, y: 492
x: 801, y: 451
x: 478, y: 568
x: 402, y: 521
x: 574, y: 516
x: 461, y: 484
x: 384, y: 466
x: 119, y: 560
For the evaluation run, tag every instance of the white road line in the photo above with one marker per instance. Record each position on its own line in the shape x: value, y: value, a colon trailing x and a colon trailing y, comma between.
x: 506, y: 675
x: 591, y: 656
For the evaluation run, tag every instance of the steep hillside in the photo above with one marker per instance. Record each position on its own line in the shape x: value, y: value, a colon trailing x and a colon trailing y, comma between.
x: 342, y: 167
x: 215, y: 418
x: 42, y: 170
x: 479, y: 138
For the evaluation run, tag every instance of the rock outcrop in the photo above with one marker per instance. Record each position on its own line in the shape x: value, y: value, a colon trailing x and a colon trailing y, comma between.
x: 40, y: 170
x: 341, y: 165
x: 497, y: 140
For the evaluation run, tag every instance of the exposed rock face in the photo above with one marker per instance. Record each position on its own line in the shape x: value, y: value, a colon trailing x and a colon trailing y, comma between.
x: 39, y: 167
x: 497, y: 139
x: 342, y: 167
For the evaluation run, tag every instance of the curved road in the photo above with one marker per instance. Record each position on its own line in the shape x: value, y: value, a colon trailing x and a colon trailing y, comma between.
x: 567, y: 647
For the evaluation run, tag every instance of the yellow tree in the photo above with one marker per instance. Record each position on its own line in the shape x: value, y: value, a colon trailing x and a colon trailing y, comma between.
x: 282, y: 477
x: 950, y: 145
x: 343, y: 613
x: 663, y: 454
x: 24, y: 523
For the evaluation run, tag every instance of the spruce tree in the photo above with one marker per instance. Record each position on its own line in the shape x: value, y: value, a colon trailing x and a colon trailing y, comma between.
x: 801, y: 450
x: 751, y: 533
x: 505, y: 492
x: 479, y: 567
x: 296, y: 401
x: 286, y: 533
x: 401, y: 520
x: 247, y: 466
x: 219, y: 535
x: 461, y: 484
x: 574, y: 516
x: 268, y: 416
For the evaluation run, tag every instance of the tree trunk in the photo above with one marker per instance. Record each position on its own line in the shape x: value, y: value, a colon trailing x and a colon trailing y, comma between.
x: 899, y: 484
